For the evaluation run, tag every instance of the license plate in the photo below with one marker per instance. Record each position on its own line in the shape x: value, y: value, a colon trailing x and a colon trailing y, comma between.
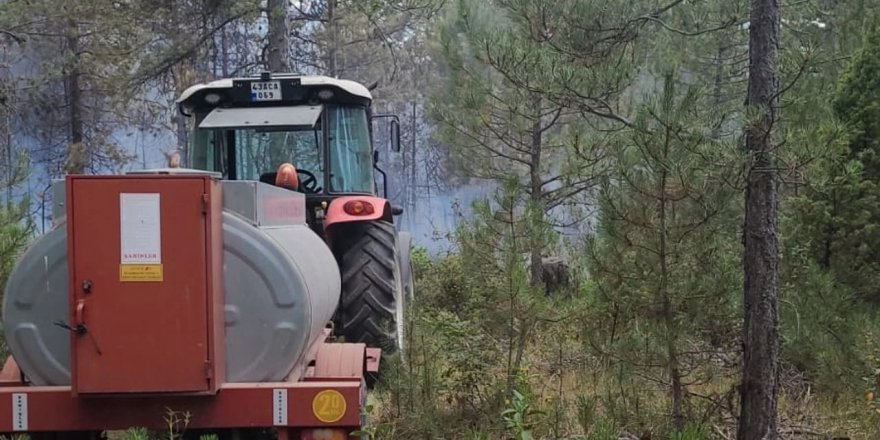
x: 266, y: 91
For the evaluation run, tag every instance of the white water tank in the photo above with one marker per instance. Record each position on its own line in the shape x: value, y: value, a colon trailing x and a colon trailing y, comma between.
x: 282, y: 286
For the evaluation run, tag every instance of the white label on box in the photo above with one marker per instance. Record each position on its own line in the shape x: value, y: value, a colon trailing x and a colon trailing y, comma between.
x: 19, y: 412
x: 279, y: 407
x: 141, y: 235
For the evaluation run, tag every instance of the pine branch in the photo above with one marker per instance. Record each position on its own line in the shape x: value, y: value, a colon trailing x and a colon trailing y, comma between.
x: 167, y: 64
x: 15, y: 37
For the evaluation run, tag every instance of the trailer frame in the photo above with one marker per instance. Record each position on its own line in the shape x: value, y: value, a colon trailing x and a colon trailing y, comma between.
x: 294, y: 408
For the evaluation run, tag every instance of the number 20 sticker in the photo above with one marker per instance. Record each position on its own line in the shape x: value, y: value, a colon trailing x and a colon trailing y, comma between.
x: 328, y: 406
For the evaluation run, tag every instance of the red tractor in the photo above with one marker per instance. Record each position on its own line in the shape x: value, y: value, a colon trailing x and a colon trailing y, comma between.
x: 205, y: 294
x: 252, y: 128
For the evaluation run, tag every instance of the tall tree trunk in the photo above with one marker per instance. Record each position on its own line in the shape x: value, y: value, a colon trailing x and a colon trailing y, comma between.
x: 759, y: 387
x: 332, y: 68
x: 10, y: 166
x: 278, y: 53
x: 827, y: 9
x: 224, y: 54
x: 536, y: 195
x: 411, y: 188
x: 718, y: 86
x: 183, y: 77
x: 182, y: 131
x: 674, y: 369
x: 78, y: 156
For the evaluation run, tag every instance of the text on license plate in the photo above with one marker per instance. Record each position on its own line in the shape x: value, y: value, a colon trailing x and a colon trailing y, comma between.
x: 266, y: 91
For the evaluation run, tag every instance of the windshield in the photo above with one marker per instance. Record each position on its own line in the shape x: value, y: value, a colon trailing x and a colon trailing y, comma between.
x: 261, y: 152
x: 351, y: 163
x: 257, y: 152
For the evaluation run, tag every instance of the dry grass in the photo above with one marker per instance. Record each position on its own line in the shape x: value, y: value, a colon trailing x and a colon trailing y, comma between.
x: 562, y: 377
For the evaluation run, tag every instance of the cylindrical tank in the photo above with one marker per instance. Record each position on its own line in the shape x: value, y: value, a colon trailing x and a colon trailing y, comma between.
x: 282, y: 286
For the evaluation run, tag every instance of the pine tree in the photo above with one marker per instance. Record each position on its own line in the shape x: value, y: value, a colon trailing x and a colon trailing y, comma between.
x: 659, y: 242
x: 74, y: 96
x: 839, y: 210
x: 499, y: 119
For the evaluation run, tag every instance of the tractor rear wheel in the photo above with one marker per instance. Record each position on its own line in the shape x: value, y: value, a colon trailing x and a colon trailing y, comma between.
x: 371, y: 305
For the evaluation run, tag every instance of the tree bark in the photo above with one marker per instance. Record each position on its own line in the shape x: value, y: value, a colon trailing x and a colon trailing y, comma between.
x: 718, y: 86
x: 759, y: 387
x: 536, y: 195
x: 224, y: 53
x: 182, y: 76
x: 677, y: 389
x: 77, y: 157
x: 332, y: 68
x: 278, y: 53
x: 180, y: 122
x: 413, y: 169
x: 827, y: 8
x: 10, y: 167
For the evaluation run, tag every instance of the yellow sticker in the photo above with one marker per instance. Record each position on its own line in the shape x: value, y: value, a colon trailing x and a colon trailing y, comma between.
x: 140, y: 272
x: 328, y: 406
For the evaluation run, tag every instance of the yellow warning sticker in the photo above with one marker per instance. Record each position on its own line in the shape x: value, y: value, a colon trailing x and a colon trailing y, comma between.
x: 140, y: 272
x: 328, y: 406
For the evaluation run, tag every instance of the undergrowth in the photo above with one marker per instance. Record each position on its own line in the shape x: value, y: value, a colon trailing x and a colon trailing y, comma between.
x: 457, y: 382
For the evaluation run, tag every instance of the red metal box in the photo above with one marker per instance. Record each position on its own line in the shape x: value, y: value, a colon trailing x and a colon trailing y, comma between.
x: 146, y: 286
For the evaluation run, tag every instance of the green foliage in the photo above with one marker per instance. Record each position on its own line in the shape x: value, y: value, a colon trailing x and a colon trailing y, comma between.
x: 472, y: 329
x: 15, y: 232
x: 16, y: 226
x: 516, y: 106
x: 667, y: 281
x: 601, y: 430
x: 838, y: 214
x: 823, y: 323
x: 137, y: 434
x: 857, y: 101
x: 517, y: 418
x: 378, y: 431
x: 663, y: 289
x: 691, y: 432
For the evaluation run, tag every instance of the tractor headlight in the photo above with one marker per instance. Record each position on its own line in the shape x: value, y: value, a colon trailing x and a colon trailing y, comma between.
x: 212, y: 98
x: 325, y: 94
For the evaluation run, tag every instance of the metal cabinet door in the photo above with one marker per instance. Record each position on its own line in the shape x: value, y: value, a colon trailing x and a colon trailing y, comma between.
x: 144, y: 314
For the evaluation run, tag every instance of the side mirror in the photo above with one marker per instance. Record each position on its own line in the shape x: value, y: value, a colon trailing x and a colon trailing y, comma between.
x: 395, y: 130
x: 395, y: 135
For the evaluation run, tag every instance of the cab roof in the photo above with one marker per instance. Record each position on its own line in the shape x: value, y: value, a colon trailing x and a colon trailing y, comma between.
x: 310, y: 81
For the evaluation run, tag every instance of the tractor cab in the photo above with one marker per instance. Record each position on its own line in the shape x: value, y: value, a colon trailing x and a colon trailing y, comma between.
x: 247, y: 128
x: 314, y: 135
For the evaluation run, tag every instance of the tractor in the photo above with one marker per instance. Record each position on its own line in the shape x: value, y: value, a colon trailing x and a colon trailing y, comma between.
x: 314, y: 135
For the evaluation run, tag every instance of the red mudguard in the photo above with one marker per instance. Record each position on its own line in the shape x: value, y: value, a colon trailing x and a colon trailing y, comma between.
x: 336, y: 215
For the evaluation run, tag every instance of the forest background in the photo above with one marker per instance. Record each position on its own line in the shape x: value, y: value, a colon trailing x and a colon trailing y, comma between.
x: 603, y: 138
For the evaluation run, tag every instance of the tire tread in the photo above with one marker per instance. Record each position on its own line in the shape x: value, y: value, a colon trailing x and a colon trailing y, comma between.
x: 368, y: 302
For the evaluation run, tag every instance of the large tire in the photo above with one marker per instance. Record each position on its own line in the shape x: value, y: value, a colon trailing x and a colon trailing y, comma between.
x: 371, y: 299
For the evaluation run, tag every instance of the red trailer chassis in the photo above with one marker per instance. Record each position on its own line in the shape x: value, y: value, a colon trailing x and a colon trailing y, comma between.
x: 324, y: 404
